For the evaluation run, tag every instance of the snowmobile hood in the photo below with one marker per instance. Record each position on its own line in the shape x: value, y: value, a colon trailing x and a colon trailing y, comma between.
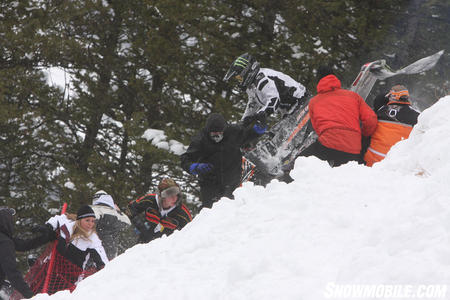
x: 104, y: 199
x: 215, y: 123
x: 328, y: 83
x: 6, y: 223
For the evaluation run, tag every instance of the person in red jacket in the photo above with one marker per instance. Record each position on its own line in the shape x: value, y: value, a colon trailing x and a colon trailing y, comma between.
x: 396, y: 119
x: 340, y: 118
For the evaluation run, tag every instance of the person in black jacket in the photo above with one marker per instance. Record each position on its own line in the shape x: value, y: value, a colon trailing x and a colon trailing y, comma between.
x: 155, y: 215
x: 8, y: 247
x: 215, y: 156
x: 396, y: 119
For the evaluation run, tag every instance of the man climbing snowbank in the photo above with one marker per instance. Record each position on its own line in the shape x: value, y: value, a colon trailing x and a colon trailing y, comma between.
x: 340, y: 118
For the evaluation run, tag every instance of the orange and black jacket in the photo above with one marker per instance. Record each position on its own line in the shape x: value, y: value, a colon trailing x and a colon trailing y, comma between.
x: 395, y: 122
x: 153, y: 225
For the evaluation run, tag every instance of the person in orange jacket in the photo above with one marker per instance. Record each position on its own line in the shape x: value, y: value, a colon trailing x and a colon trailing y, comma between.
x: 340, y: 118
x: 396, y: 119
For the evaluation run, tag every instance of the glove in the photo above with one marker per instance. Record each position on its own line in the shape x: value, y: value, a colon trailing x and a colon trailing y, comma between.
x: 200, y: 168
x: 259, y: 116
x: 259, y: 128
x: 39, y: 229
x: 145, y: 236
x: 45, y: 230
x: 247, y: 120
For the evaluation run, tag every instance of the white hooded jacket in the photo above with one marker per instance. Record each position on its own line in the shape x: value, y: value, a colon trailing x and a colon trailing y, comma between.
x: 273, y: 91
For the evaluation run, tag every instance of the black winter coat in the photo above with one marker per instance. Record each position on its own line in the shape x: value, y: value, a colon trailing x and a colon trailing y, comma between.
x: 8, y: 247
x: 225, y: 156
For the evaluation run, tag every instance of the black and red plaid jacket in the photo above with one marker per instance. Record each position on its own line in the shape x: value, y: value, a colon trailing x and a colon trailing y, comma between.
x: 155, y: 225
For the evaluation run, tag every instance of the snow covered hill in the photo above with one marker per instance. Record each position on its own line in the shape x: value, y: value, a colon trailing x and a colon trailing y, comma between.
x: 350, y: 225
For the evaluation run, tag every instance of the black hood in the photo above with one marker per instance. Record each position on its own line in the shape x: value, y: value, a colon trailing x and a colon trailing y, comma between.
x: 215, y: 123
x: 6, y: 222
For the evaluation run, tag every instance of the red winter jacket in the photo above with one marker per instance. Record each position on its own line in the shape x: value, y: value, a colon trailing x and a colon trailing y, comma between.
x: 336, y: 115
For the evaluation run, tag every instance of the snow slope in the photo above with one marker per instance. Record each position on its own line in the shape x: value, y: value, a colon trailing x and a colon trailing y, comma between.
x: 388, y: 224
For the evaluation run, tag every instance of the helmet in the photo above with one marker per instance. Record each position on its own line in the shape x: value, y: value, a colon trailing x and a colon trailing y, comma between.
x: 244, y: 68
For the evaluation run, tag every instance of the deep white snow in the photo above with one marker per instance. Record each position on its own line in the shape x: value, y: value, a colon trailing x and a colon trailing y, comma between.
x: 388, y: 224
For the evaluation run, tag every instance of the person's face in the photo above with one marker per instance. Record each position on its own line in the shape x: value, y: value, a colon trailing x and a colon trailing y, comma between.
x: 216, y: 136
x: 87, y: 224
x: 170, y: 201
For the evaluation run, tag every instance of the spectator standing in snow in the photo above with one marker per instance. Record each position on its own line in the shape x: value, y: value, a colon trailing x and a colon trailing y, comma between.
x: 78, y: 239
x: 340, y: 118
x: 268, y: 90
x: 396, y: 119
x: 164, y: 212
x: 110, y: 222
x: 8, y: 247
x: 214, y: 154
x: 76, y: 243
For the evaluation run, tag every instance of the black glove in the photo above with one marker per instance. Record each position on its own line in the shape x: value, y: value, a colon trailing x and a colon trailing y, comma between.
x: 146, y: 232
x: 247, y: 120
x: 45, y: 230
x: 259, y: 116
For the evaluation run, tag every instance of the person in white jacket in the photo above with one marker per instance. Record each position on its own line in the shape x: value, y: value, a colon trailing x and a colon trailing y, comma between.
x: 268, y: 90
x: 78, y: 240
x: 111, y: 222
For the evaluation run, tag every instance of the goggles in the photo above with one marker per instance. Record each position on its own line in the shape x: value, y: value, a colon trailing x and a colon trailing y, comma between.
x: 170, y: 192
x: 239, y: 78
x: 11, y: 211
x: 98, y: 195
x: 216, y: 136
x: 396, y: 96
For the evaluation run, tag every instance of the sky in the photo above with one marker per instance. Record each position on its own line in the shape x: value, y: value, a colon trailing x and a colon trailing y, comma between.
x: 385, y: 226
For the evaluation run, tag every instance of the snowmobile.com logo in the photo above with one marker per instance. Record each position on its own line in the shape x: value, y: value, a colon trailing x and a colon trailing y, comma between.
x: 385, y: 291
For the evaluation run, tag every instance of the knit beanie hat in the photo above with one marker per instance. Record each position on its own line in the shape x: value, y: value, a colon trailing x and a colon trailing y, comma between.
x: 85, y: 212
